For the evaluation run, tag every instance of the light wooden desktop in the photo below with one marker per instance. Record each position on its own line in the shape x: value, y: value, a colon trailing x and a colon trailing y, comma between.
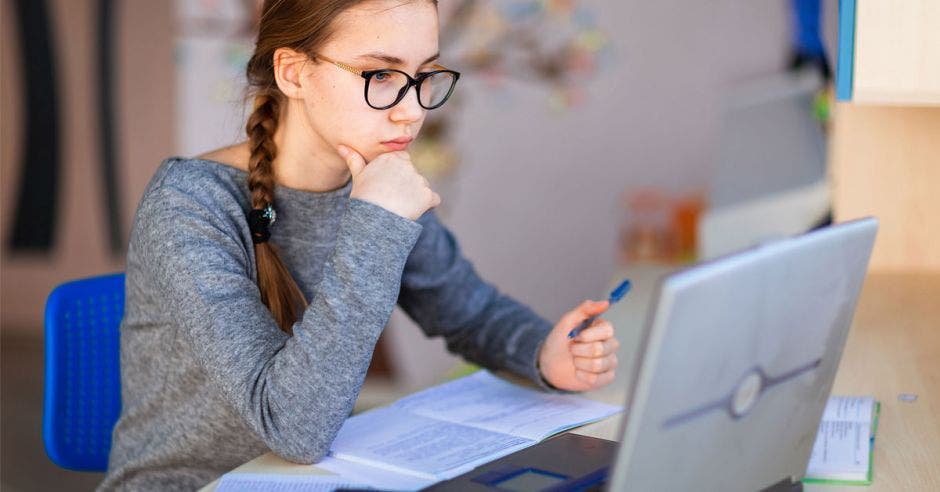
x: 892, y: 349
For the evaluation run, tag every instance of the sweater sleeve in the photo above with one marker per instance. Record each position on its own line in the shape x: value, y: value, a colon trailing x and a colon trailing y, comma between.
x: 294, y: 392
x: 442, y: 292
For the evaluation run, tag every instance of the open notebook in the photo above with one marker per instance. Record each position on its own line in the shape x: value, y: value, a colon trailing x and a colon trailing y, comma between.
x: 450, y: 429
x: 433, y: 435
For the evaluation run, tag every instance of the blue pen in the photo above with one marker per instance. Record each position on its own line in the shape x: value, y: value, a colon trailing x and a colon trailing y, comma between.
x: 615, y: 296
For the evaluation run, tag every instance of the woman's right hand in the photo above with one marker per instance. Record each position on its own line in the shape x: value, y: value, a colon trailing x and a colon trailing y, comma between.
x: 391, y: 182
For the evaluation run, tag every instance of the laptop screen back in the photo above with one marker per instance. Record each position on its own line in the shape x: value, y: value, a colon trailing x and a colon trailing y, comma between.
x: 737, y: 363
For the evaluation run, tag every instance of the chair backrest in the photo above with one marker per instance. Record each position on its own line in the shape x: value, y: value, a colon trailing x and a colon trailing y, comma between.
x: 83, y: 379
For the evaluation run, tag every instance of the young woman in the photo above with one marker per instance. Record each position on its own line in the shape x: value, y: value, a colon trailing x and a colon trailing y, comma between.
x: 259, y: 276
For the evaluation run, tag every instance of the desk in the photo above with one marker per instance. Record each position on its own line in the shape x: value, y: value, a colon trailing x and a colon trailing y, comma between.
x: 893, y: 348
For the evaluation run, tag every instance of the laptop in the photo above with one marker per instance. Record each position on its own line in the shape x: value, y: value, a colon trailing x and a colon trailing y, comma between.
x: 736, y: 364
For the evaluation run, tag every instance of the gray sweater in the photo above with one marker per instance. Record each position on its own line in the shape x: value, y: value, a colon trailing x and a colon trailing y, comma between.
x: 208, y: 379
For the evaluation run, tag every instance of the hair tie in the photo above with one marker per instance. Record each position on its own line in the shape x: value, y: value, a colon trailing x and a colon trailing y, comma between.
x: 259, y: 222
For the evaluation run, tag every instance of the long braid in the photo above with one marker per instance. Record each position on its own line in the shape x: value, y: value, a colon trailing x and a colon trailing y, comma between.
x: 261, y: 126
x: 279, y: 290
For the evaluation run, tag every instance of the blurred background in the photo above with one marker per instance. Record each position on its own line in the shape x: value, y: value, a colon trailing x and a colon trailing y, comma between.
x: 585, y: 138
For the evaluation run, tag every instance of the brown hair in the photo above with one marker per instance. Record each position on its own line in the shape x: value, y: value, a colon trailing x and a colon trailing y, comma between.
x: 304, y: 26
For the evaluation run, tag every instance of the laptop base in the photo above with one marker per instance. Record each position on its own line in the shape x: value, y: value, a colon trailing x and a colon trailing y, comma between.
x: 567, y: 462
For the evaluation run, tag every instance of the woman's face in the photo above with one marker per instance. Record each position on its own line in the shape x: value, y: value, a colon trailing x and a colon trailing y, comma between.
x: 373, y: 35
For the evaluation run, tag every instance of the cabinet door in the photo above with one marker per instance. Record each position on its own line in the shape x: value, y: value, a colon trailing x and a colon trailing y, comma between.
x: 889, y: 52
x: 885, y: 161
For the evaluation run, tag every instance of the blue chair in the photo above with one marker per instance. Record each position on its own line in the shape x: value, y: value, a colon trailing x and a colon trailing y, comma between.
x: 83, y: 378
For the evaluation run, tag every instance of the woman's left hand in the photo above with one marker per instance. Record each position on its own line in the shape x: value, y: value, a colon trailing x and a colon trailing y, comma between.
x: 587, y: 361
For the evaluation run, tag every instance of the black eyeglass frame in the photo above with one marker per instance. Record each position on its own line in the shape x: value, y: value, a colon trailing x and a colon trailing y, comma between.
x: 412, y: 82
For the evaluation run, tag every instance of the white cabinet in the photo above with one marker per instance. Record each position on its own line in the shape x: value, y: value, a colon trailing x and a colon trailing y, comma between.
x: 889, y: 52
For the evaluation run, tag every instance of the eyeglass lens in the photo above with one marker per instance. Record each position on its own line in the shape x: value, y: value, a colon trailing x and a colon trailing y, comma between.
x: 387, y: 87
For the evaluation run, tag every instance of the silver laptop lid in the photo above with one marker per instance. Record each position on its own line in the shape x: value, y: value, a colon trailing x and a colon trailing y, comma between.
x: 737, y: 363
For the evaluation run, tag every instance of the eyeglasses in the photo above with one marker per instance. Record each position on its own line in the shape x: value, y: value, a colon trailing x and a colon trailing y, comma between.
x: 387, y: 87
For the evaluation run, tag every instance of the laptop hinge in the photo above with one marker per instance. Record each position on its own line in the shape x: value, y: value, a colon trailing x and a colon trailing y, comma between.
x: 785, y: 485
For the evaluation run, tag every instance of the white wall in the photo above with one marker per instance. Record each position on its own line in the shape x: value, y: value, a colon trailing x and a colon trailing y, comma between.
x: 538, y: 198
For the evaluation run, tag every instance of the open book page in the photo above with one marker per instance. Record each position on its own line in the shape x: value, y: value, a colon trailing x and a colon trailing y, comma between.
x: 246, y: 482
x: 372, y: 476
x: 405, y: 443
x: 842, y: 450
x: 488, y: 402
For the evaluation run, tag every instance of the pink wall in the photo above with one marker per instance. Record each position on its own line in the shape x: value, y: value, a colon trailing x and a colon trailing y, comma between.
x: 144, y: 83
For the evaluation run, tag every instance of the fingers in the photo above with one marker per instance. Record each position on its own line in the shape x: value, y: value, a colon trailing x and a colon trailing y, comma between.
x: 584, y: 311
x: 596, y: 365
x: 600, y: 330
x: 390, y: 181
x: 354, y: 160
x: 595, y: 349
x: 435, y: 198
x: 599, y: 365
x: 591, y: 308
x: 593, y: 379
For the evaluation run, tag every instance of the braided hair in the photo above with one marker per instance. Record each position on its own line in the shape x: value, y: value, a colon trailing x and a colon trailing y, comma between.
x: 279, y: 291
